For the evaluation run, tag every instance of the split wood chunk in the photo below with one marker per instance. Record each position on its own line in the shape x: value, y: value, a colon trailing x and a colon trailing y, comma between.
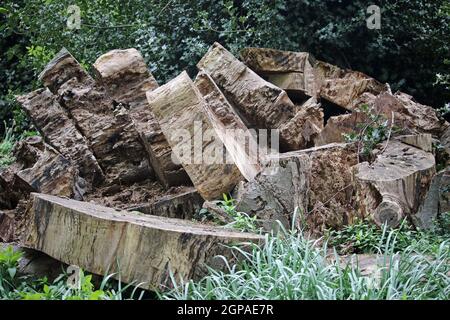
x: 181, y: 112
x: 410, y: 116
x: 344, y: 86
x: 146, y: 248
x: 109, y: 130
x: 181, y: 206
x: 60, y: 132
x: 51, y: 174
x: 305, y: 126
x: 126, y: 78
x: 263, y: 104
x: 315, y: 181
x: 291, y: 71
x: 338, y: 126
x: 61, y: 69
x: 394, y: 186
x: 240, y: 143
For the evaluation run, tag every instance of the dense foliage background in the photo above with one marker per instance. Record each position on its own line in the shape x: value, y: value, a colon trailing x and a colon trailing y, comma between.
x: 410, y: 51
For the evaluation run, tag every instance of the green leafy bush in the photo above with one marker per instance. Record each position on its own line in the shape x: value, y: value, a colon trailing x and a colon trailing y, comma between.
x: 408, y: 51
x: 15, y: 286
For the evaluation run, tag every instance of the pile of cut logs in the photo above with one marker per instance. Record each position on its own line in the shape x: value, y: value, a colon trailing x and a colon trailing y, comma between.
x: 107, y: 183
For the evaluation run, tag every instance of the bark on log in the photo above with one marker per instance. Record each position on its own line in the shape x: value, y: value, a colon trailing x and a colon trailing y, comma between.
x: 238, y: 140
x: 61, y: 133
x: 181, y: 112
x: 263, y: 105
x: 126, y: 79
x: 146, y: 247
x: 109, y: 130
x: 343, y: 86
x: 394, y: 186
x: 291, y: 71
x: 316, y: 181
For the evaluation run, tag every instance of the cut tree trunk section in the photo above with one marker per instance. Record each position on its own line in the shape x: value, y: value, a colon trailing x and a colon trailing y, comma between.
x: 144, y: 249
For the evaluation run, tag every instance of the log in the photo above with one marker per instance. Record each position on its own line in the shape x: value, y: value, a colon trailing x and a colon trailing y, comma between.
x: 147, y: 248
x: 51, y: 174
x: 109, y: 130
x: 338, y: 126
x: 181, y: 206
x: 421, y: 141
x: 237, y: 139
x: 61, y: 69
x: 315, y: 181
x: 344, y: 86
x: 61, y: 133
x: 394, y: 186
x: 126, y: 77
x: 291, y: 71
x: 263, y: 105
x: 181, y: 112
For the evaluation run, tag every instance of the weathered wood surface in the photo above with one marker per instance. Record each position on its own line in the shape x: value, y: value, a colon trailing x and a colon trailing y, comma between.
x: 61, y: 133
x: 291, y: 71
x: 421, y: 141
x: 263, y: 105
x: 181, y: 206
x: 316, y: 181
x: 344, y: 86
x: 305, y: 126
x: 109, y: 130
x: 410, y: 116
x: 146, y: 247
x: 180, y: 110
x: 238, y: 140
x: 61, y: 69
x: 337, y: 126
x: 126, y: 78
x: 394, y: 186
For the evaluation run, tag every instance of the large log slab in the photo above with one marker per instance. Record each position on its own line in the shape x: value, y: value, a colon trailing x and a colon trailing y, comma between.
x: 147, y: 248
x: 181, y: 112
x: 231, y: 130
x: 263, y: 104
x: 316, y: 181
x: 394, y: 186
x: 109, y: 130
x: 61, y: 133
x: 126, y: 78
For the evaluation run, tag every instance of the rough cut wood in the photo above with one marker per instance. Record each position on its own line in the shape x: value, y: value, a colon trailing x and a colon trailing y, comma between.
x: 394, y: 186
x: 316, y: 181
x: 337, y: 126
x: 126, y: 78
x: 343, y: 86
x: 109, y: 130
x: 291, y: 71
x: 180, y: 206
x: 146, y: 247
x: 421, y: 141
x: 305, y: 126
x: 238, y: 140
x: 410, y: 116
x: 180, y: 110
x: 263, y: 105
x: 61, y: 69
x: 60, y: 132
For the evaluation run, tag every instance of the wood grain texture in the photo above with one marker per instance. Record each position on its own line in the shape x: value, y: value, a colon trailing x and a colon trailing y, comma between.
x: 394, y: 186
x: 180, y: 110
x: 146, y: 247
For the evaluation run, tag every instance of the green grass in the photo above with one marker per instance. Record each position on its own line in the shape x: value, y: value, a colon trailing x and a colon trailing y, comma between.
x: 289, y: 266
